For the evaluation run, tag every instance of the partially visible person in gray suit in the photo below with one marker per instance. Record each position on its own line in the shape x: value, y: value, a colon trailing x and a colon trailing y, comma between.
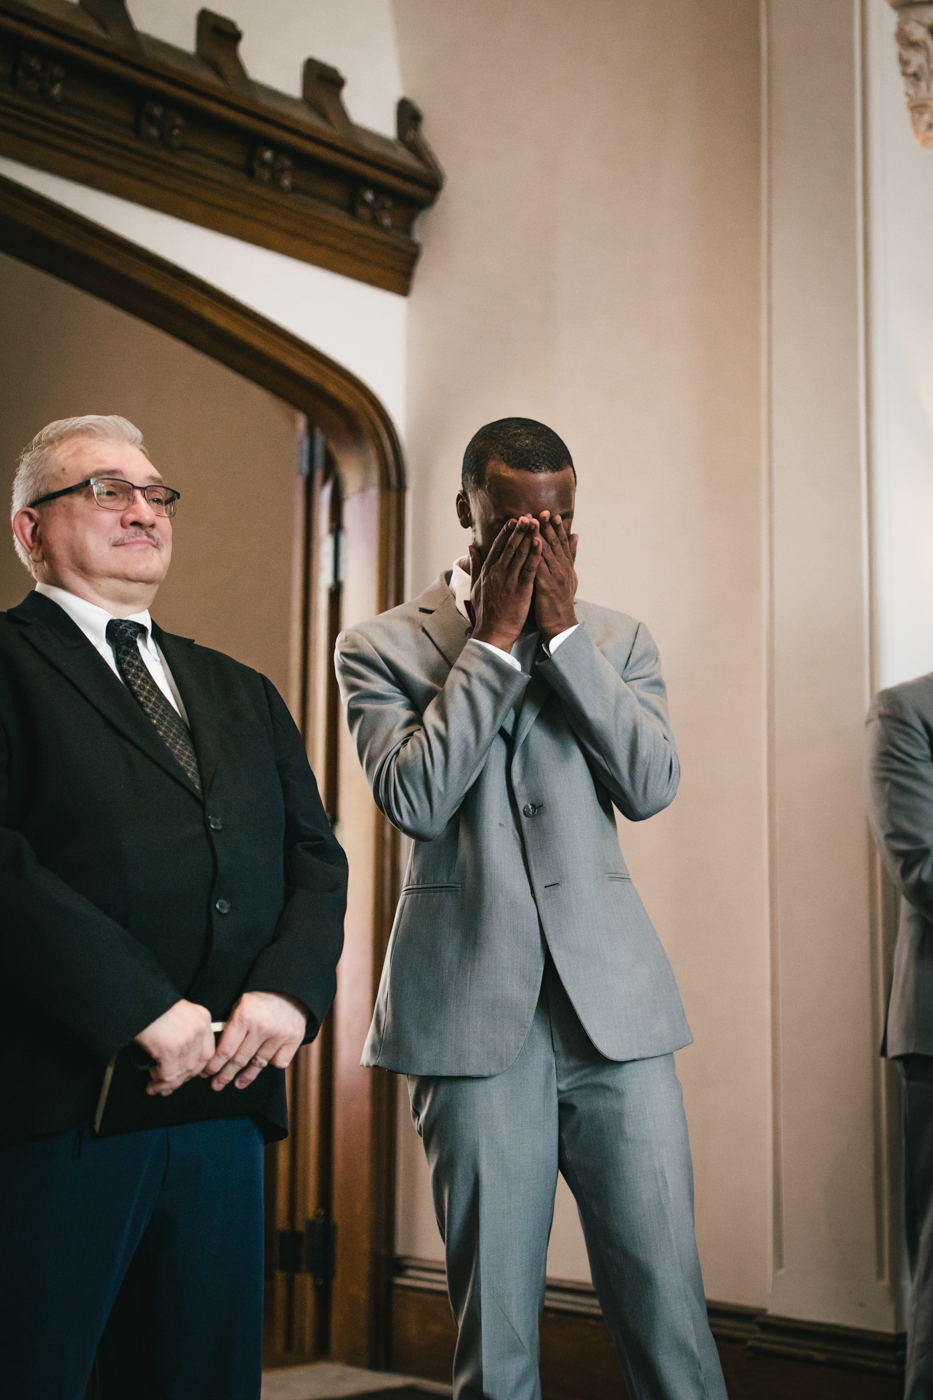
x: 500, y: 722
x: 900, y: 807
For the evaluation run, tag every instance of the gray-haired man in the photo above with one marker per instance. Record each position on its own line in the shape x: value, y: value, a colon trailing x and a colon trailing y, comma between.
x: 165, y: 865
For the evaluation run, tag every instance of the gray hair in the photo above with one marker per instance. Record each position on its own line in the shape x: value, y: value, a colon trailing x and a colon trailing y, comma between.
x: 37, y: 460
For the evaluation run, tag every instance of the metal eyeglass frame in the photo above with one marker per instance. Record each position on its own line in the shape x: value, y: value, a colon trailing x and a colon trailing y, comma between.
x: 169, y: 505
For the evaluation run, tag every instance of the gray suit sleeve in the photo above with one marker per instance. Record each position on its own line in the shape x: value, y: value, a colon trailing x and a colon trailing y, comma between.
x: 620, y: 720
x: 421, y: 766
x: 900, y: 796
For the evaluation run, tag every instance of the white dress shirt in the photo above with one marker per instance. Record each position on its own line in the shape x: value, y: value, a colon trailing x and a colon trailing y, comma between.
x: 93, y: 623
x: 523, y: 651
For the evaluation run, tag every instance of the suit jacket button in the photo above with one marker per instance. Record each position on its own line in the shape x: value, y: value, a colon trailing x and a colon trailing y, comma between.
x: 529, y: 809
x: 215, y: 824
x: 221, y: 906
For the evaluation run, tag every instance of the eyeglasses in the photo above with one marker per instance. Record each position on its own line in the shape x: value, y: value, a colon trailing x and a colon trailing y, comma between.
x: 114, y: 494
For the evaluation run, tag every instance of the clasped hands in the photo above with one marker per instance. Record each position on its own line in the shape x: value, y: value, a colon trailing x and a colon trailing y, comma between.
x: 264, y: 1028
x: 531, y: 560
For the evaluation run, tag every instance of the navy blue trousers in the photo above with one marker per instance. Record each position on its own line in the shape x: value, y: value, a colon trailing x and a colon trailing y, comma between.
x: 145, y: 1249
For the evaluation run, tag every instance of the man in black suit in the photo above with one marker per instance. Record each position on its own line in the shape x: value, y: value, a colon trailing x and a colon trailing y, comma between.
x: 165, y: 867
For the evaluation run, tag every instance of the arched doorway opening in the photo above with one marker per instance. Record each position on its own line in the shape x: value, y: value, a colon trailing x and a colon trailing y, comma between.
x: 331, y: 1184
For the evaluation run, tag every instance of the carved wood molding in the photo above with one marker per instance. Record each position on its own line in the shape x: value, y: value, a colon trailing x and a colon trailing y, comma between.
x: 54, y: 239
x: 915, y: 54
x: 85, y: 95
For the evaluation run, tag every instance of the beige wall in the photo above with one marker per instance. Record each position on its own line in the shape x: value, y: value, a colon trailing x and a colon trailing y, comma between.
x: 831, y: 1174
x: 226, y: 445
x: 594, y: 262
x: 653, y: 237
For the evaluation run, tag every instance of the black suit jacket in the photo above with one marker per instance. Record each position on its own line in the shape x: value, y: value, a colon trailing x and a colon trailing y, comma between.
x: 121, y: 890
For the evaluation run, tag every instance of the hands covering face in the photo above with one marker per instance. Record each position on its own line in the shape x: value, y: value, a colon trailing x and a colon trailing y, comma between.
x: 531, y: 560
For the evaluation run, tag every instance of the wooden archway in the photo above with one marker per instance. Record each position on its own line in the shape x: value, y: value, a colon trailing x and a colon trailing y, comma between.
x: 367, y: 460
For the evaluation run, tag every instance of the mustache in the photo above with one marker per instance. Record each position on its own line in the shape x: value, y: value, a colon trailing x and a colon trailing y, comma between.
x: 138, y: 532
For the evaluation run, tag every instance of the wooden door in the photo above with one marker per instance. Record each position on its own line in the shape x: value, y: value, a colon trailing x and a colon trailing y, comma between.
x: 300, y: 1229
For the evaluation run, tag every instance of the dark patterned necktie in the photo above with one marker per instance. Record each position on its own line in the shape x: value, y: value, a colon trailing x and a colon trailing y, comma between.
x: 170, y: 727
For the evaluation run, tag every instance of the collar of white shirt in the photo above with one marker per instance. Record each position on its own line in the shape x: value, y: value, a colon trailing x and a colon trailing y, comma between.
x: 461, y: 584
x: 93, y: 623
x: 93, y: 620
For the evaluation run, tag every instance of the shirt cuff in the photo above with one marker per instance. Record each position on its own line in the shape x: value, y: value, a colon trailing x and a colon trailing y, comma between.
x: 503, y: 655
x: 551, y: 646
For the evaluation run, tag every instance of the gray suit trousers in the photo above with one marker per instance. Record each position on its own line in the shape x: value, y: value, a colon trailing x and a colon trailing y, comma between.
x: 617, y: 1132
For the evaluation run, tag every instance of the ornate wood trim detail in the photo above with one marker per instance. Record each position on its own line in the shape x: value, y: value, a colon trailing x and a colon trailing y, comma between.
x: 85, y: 95
x: 750, y: 1331
x: 915, y: 54
x: 52, y: 238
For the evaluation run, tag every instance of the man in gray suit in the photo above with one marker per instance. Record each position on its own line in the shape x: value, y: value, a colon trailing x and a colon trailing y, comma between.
x: 525, y: 993
x: 900, y: 807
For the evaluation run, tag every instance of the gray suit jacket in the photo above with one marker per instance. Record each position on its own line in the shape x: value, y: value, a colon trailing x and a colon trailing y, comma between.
x: 900, y: 808
x: 507, y: 783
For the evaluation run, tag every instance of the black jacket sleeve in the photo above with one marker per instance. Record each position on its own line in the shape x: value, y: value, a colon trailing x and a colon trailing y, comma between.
x: 62, y: 955
x: 301, y: 961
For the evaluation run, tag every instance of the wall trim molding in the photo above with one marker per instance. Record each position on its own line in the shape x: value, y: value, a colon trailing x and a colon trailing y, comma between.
x: 85, y: 95
x: 825, y: 1344
x: 732, y: 1324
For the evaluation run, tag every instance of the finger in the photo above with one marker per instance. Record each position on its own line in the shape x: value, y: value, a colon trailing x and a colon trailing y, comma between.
x: 161, y: 1087
x: 256, y: 1065
x: 238, y: 1062
x: 226, y: 1047
x: 286, y: 1053
x: 573, y: 547
x: 532, y: 563
x: 499, y: 544
x: 549, y: 535
x: 515, y: 543
x: 178, y: 1068
x: 530, y: 531
x: 561, y: 536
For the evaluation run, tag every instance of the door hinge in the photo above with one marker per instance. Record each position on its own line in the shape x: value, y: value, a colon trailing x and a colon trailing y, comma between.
x: 321, y: 1247
x: 291, y: 1251
x: 312, y: 1250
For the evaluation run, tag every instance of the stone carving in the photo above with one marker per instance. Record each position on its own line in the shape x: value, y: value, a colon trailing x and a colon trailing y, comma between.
x: 272, y: 167
x: 915, y: 53
x: 40, y: 77
x: 162, y: 124
x: 373, y: 208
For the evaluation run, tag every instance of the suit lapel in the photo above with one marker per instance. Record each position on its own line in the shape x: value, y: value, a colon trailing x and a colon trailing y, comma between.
x: 64, y: 646
x: 536, y: 692
x: 201, y: 705
x: 448, y: 629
